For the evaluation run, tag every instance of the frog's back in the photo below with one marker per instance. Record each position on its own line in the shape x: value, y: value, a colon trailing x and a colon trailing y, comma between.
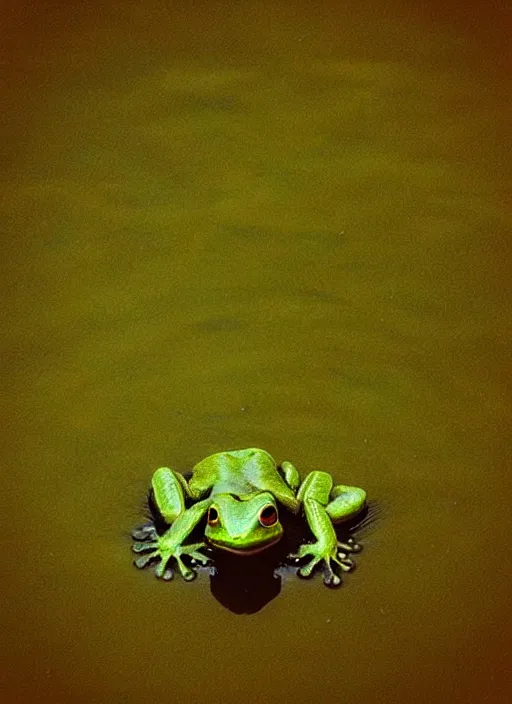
x: 232, y: 472
x: 242, y: 473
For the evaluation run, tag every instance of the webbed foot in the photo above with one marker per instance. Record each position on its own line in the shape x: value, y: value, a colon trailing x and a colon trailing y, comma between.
x: 161, y: 549
x: 328, y: 555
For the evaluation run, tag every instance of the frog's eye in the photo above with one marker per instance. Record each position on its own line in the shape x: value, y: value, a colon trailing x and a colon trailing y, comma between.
x: 213, y: 516
x: 268, y: 516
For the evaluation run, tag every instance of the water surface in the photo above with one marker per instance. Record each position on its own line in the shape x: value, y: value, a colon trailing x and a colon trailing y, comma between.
x: 257, y: 224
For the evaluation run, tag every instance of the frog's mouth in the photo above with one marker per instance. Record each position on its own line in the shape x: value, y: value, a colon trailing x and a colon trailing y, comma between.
x: 245, y: 551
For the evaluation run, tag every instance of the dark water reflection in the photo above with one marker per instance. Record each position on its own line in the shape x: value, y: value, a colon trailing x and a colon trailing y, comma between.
x: 281, y: 225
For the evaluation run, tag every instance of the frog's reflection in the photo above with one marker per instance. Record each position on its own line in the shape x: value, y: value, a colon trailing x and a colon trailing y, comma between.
x: 246, y: 584
x: 242, y: 585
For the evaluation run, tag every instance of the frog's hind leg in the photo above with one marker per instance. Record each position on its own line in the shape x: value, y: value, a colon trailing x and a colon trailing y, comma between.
x: 346, y: 503
x: 168, y: 492
x: 167, y: 503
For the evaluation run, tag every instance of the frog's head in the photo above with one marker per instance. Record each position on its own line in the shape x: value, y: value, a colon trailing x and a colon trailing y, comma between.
x: 244, y: 525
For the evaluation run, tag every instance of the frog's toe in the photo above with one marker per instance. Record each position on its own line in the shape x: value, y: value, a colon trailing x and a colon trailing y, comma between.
x: 198, y: 557
x: 145, y: 532
x: 161, y: 570
x: 344, y: 562
x: 301, y: 552
x: 307, y: 570
x: 350, y: 546
x: 144, y: 560
x: 187, y: 573
x: 193, y: 552
x: 331, y: 579
x: 193, y: 547
x: 143, y: 547
x: 167, y: 575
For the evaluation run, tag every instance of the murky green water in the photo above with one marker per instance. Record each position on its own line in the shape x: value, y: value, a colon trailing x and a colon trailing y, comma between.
x: 272, y: 224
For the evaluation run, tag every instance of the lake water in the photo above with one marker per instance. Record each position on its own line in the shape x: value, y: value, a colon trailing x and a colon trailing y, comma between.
x: 280, y: 225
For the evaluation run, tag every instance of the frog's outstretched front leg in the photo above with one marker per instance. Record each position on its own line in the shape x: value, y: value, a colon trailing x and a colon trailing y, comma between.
x: 315, y: 493
x: 326, y: 549
x: 170, y: 544
x: 168, y: 489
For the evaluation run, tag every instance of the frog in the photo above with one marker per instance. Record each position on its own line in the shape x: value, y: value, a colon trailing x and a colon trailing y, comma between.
x: 240, y: 492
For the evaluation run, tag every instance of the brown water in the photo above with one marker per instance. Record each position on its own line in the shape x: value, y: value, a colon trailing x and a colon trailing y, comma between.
x: 274, y: 224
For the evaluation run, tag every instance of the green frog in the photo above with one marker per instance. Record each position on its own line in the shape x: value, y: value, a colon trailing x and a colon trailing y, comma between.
x: 240, y: 491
